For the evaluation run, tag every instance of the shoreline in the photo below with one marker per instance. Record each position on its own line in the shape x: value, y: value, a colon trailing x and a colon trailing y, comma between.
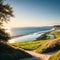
x: 44, y: 32
x: 29, y: 37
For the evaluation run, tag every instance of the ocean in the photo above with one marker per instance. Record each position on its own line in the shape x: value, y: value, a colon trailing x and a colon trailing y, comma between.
x: 31, y: 33
x: 28, y: 30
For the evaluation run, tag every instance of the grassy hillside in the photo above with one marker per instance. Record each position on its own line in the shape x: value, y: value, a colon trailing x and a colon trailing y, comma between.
x: 55, y: 56
x: 49, y: 46
x: 57, y: 34
x: 30, y: 45
x: 9, y: 53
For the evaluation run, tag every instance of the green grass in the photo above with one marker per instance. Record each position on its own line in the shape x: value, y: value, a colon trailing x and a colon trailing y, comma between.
x: 55, y: 56
x: 49, y: 46
x: 8, y: 52
x: 30, y: 45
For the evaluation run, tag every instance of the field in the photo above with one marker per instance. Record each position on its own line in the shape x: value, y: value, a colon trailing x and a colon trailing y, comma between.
x: 30, y: 45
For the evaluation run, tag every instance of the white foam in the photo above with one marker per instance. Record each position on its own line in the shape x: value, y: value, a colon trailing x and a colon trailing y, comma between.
x: 30, y: 37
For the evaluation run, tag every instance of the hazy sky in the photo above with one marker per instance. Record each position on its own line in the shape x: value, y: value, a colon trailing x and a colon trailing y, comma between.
x: 30, y: 13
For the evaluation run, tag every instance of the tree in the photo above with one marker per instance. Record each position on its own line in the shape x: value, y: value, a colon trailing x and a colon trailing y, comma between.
x: 5, y: 13
x: 4, y: 36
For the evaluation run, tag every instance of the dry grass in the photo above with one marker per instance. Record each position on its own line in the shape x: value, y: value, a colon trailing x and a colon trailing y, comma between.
x: 55, y: 56
x: 57, y: 34
x: 49, y: 46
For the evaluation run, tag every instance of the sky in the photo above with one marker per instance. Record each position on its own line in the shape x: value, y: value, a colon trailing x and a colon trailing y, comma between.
x: 34, y: 13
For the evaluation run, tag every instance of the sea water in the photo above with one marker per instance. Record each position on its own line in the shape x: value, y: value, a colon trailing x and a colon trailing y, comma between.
x: 32, y: 33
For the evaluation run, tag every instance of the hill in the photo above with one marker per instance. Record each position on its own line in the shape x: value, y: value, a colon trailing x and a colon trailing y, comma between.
x: 55, y: 56
x: 7, y: 52
x: 49, y: 46
x: 57, y: 34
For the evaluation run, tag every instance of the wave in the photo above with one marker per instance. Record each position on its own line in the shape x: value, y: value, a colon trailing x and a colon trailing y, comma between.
x: 30, y: 37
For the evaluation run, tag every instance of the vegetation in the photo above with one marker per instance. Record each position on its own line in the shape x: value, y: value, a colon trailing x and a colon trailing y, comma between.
x: 4, y: 36
x: 57, y: 34
x: 9, y: 53
x: 39, y: 45
x: 55, y: 56
x: 30, y: 45
x: 5, y: 12
x: 49, y: 46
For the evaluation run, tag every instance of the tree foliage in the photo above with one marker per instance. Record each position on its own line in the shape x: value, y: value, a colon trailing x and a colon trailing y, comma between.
x: 4, y: 36
x: 5, y: 12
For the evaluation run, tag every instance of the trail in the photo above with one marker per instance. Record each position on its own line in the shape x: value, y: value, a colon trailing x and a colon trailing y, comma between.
x: 36, y: 56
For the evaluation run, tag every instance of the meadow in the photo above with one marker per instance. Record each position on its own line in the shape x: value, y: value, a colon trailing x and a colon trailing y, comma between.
x: 30, y: 45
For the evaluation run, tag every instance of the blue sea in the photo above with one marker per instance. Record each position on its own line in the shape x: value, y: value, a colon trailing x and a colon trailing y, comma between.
x: 32, y: 33
x: 28, y: 30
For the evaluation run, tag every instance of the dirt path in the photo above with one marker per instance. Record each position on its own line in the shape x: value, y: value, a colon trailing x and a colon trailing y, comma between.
x: 36, y: 56
x: 39, y: 56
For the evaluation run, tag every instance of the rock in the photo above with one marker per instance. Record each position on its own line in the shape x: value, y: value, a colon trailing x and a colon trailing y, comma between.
x: 42, y: 37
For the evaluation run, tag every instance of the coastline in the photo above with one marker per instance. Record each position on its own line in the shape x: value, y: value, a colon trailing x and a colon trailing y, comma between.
x: 45, y: 32
x: 30, y: 37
